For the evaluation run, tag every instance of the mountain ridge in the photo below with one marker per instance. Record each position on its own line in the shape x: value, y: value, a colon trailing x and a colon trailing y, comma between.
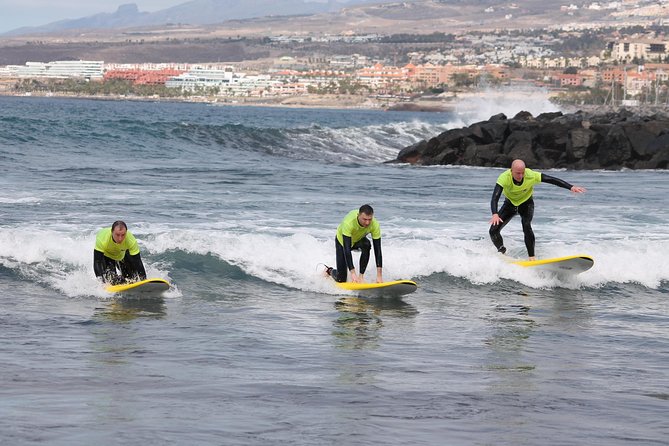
x: 194, y: 12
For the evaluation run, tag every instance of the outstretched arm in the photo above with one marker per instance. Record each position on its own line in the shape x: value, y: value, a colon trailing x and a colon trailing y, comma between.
x: 496, y: 193
x: 561, y: 183
x: 376, y: 242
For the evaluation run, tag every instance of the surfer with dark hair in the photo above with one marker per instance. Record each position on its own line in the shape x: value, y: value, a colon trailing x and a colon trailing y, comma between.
x: 517, y: 184
x: 116, y: 250
x: 352, y: 235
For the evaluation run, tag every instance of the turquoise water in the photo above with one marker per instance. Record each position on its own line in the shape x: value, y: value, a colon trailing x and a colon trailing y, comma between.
x: 237, y: 207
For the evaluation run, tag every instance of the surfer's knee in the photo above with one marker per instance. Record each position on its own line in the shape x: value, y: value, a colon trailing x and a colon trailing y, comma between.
x: 527, y: 228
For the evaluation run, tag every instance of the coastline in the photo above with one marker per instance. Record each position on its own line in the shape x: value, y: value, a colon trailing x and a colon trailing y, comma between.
x: 306, y: 101
x: 486, y: 102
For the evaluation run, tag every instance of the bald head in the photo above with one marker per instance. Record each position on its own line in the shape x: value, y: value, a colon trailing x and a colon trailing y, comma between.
x: 518, y: 170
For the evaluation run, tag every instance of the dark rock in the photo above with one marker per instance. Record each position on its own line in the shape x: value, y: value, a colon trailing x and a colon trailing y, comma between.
x: 615, y: 150
x: 519, y: 145
x: 658, y: 145
x: 549, y: 116
x: 482, y: 155
x: 491, y: 131
x: 448, y: 156
x: 580, y: 140
x: 412, y: 153
x: 432, y: 148
x: 640, y: 136
x: 523, y: 116
x: 581, y: 144
x: 498, y: 117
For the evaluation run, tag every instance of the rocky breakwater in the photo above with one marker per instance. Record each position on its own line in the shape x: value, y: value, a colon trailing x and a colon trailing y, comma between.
x: 613, y: 140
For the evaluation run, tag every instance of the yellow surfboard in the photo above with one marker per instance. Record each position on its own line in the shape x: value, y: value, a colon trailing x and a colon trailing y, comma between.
x: 394, y: 288
x: 148, y: 286
x: 576, y: 264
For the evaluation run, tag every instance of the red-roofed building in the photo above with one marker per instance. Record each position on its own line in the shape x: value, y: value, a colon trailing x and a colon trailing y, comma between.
x: 143, y: 77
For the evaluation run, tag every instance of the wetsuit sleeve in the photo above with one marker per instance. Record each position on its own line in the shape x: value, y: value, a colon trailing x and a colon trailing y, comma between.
x: 137, y: 264
x: 347, y: 252
x: 377, y: 252
x: 556, y: 181
x: 495, y: 198
x: 98, y: 263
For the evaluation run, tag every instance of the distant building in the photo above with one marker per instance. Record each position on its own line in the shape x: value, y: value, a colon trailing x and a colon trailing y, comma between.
x: 143, y: 77
x: 569, y: 80
x: 58, y: 69
x: 200, y: 77
x: 380, y: 77
x: 148, y: 66
x: 225, y: 79
x: 613, y: 76
x: 431, y: 75
x: 661, y: 70
x: 650, y: 50
x: 639, y: 82
x: 496, y: 71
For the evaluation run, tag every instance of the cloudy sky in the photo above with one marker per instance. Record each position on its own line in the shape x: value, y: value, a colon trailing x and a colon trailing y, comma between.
x: 18, y: 13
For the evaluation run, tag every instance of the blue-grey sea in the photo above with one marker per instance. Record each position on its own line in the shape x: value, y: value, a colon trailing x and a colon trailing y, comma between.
x: 237, y: 207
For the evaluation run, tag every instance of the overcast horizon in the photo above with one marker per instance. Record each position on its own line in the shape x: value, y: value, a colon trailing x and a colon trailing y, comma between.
x: 30, y: 13
x: 21, y: 13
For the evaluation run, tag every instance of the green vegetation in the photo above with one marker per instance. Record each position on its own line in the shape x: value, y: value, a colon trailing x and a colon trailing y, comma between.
x: 112, y: 87
x: 344, y: 86
x: 435, y: 37
x: 586, y: 42
x: 463, y: 80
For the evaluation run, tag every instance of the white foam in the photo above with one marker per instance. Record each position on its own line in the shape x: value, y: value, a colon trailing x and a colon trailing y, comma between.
x: 383, y: 142
x: 57, y: 260
x: 364, y: 144
x: 293, y: 260
x: 22, y: 200
x: 63, y: 261
x: 481, y: 105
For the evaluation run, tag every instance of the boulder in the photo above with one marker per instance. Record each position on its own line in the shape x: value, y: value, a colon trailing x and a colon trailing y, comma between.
x: 580, y: 140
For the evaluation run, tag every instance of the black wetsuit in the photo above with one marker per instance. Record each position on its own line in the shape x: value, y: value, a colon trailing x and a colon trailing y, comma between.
x: 345, y: 259
x: 526, y: 211
x: 131, y: 268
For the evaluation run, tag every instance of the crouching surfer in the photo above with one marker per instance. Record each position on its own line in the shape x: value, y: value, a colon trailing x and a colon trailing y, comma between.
x: 351, y: 235
x: 116, y: 256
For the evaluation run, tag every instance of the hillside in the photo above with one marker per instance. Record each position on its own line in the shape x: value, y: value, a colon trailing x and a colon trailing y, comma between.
x: 240, y: 39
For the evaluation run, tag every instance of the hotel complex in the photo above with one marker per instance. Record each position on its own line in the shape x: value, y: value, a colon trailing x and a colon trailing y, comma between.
x: 636, y: 65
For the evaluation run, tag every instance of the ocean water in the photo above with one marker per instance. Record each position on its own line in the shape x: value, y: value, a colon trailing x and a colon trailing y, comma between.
x: 237, y: 208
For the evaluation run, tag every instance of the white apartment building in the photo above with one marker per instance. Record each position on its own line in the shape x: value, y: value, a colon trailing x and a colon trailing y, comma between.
x: 89, y: 69
x: 559, y: 62
x: 649, y: 50
x: 228, y: 82
x: 147, y: 66
x: 204, y: 78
